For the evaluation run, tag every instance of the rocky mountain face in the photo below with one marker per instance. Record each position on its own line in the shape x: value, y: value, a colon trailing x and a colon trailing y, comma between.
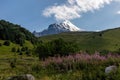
x: 65, y: 26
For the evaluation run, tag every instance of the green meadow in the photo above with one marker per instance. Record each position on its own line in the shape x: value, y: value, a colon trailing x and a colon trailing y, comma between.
x: 64, y: 56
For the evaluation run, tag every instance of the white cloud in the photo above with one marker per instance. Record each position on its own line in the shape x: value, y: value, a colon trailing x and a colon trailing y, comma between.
x: 118, y: 12
x: 117, y: 0
x: 74, y: 8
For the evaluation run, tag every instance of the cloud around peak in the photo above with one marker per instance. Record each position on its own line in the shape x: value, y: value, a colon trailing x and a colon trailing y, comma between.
x: 73, y: 9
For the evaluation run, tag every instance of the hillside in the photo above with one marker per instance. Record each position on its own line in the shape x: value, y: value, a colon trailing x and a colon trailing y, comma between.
x: 6, y: 51
x: 91, y: 41
x: 15, y: 33
x: 18, y: 38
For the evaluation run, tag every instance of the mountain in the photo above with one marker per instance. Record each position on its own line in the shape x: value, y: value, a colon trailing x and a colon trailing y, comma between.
x: 65, y: 26
x: 107, y: 40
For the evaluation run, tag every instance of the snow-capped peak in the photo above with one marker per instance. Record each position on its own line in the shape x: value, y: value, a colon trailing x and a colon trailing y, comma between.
x: 65, y: 26
x: 68, y: 25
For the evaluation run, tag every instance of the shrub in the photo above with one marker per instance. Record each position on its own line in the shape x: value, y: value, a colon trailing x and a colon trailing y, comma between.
x: 24, y: 49
x: 104, y: 52
x: 28, y: 53
x: 56, y: 47
x: 20, y: 53
x: 18, y: 50
x: 13, y: 63
x: 7, y: 43
x: 13, y: 49
x: 37, y: 68
x: 0, y: 44
x: 100, y: 34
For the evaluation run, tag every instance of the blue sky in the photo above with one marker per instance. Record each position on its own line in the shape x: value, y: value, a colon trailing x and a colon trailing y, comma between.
x: 39, y: 14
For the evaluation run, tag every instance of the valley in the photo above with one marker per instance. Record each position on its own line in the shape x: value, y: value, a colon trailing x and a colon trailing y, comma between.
x: 63, y: 56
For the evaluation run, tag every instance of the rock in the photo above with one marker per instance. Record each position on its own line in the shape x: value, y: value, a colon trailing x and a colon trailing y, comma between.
x: 110, y: 69
x: 22, y: 77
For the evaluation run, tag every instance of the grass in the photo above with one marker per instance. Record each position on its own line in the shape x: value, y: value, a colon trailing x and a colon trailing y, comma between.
x: 22, y: 62
x: 91, y: 41
x: 7, y: 49
x: 22, y: 66
x: 86, y: 41
x: 32, y: 65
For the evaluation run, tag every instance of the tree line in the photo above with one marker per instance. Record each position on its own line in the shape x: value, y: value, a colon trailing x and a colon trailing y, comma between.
x: 57, y: 47
x: 15, y: 33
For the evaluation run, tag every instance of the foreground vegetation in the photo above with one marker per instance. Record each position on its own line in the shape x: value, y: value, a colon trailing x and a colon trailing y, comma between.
x: 72, y: 66
x: 80, y: 66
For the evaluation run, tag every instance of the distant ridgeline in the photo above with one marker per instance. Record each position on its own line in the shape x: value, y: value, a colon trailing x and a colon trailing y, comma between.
x: 15, y: 33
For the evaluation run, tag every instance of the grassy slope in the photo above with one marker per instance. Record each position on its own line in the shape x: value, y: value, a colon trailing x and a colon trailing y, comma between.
x: 6, y: 50
x: 6, y: 56
x: 110, y: 39
x: 113, y: 38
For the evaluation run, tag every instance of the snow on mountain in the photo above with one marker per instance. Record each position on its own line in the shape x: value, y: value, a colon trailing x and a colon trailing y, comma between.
x: 68, y: 25
x: 65, y: 26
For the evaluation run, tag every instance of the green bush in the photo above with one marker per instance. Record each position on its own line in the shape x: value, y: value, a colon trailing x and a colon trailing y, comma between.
x: 0, y: 44
x: 56, y: 47
x: 7, y: 43
x: 13, y: 49
x: 104, y: 52
x: 20, y: 53
x: 13, y: 63
x: 18, y: 50
x: 28, y: 53
x: 24, y: 49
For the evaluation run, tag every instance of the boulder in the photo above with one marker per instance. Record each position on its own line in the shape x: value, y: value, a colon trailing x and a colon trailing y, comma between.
x: 110, y: 69
x: 22, y: 77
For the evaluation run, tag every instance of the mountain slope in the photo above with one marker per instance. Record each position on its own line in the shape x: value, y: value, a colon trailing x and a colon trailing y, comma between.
x: 17, y: 36
x: 15, y: 33
x: 65, y: 26
x: 91, y: 41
